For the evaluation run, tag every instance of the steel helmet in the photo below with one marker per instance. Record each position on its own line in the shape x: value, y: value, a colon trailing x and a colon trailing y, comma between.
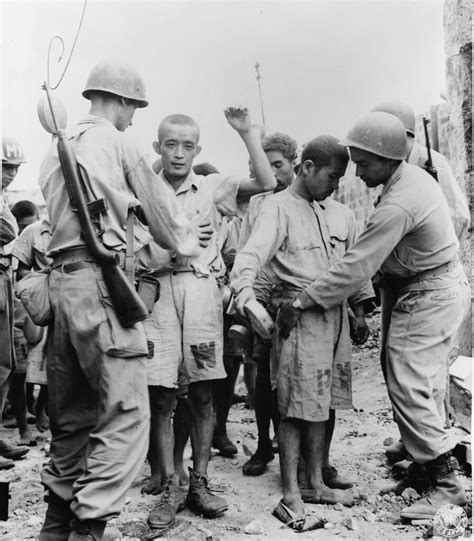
x: 12, y: 153
x: 401, y: 110
x: 379, y: 133
x: 119, y: 78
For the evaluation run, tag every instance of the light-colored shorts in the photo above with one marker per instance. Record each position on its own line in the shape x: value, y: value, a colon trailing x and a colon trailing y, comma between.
x: 186, y: 329
x: 312, y: 368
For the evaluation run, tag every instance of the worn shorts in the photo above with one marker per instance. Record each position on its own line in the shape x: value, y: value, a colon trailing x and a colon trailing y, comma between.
x: 311, y: 369
x: 186, y: 329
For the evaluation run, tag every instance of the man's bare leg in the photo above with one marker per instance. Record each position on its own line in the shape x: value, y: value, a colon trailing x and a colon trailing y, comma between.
x: 161, y: 446
x: 289, y: 434
x: 182, y: 430
x: 202, y: 424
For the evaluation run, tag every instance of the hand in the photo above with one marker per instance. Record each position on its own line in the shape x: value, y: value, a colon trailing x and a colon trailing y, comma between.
x: 246, y: 294
x: 359, y: 329
x: 239, y: 119
x: 287, y: 318
x: 205, y: 232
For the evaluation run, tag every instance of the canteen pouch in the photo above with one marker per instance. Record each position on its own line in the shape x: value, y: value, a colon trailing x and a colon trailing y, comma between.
x: 149, y: 291
x: 33, y: 291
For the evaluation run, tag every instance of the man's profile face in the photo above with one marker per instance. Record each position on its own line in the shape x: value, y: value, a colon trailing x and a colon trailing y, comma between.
x: 325, y: 179
x: 178, y: 147
x: 9, y: 172
x: 370, y: 168
x: 282, y: 169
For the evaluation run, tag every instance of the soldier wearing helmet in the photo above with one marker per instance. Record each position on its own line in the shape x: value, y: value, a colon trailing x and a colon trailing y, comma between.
x: 12, y: 158
x: 99, y: 410
x: 417, y: 155
x: 411, y: 238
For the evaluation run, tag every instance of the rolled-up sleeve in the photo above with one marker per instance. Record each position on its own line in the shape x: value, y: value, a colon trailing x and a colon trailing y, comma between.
x: 23, y: 247
x: 169, y: 228
x: 387, y: 226
x: 267, y: 236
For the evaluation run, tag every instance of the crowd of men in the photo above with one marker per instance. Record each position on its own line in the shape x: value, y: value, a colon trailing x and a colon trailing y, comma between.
x: 115, y: 395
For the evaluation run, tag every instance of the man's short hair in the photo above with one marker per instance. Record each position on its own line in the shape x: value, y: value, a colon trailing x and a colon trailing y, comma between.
x: 181, y: 120
x: 321, y: 150
x: 204, y: 169
x: 24, y: 209
x: 281, y: 143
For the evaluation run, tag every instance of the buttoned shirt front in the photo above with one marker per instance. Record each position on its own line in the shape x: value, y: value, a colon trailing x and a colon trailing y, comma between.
x: 200, y: 199
x: 297, y: 240
x: 457, y: 201
x: 115, y: 169
x: 409, y: 231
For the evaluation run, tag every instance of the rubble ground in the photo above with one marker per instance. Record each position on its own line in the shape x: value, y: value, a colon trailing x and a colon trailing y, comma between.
x: 357, y: 451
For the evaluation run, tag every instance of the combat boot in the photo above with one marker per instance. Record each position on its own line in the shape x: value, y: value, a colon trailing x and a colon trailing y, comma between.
x: 88, y: 530
x: 333, y: 479
x: 445, y: 489
x: 58, y: 517
x: 12, y: 452
x: 417, y: 478
x: 172, y: 500
x: 200, y: 498
x: 396, y: 452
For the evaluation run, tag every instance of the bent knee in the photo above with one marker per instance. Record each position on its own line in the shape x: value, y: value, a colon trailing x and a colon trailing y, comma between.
x: 162, y: 400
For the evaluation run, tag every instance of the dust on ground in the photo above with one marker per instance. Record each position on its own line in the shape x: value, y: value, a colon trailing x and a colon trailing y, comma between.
x: 357, y: 451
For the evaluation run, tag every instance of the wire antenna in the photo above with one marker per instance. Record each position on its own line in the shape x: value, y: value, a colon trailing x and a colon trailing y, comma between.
x: 257, y: 69
x: 61, y: 41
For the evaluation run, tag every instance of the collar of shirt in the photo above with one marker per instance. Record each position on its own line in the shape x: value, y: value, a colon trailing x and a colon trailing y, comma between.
x: 90, y: 121
x: 45, y: 226
x: 192, y: 182
x: 392, y: 180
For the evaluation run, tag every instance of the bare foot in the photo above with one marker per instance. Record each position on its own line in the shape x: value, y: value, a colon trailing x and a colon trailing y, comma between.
x: 324, y: 494
x: 26, y: 438
x: 42, y: 422
x: 153, y: 485
x: 295, y: 504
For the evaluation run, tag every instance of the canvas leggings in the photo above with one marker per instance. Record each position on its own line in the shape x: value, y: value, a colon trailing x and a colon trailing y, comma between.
x: 419, y: 329
x: 98, y: 399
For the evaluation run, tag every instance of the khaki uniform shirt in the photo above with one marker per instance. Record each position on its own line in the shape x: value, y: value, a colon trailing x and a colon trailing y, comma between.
x: 31, y: 246
x: 299, y: 240
x: 410, y: 231
x: 8, y: 232
x: 199, y: 198
x: 114, y: 169
x: 457, y: 201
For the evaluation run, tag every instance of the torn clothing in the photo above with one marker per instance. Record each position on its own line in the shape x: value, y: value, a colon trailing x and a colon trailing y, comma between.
x: 185, y: 329
x: 114, y: 169
x: 457, y: 202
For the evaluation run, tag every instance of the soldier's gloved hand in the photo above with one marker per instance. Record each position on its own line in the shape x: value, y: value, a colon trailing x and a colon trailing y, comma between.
x: 359, y: 330
x: 287, y: 318
x: 205, y: 232
x: 246, y: 294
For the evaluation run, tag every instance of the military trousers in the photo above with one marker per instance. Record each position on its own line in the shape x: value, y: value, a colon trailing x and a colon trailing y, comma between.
x: 98, y: 398
x: 419, y: 334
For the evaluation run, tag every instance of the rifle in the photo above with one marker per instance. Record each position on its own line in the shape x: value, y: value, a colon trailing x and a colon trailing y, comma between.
x: 429, y: 162
x: 129, y: 307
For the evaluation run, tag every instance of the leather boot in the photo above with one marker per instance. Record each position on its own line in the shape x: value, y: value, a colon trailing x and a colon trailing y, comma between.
x: 201, y: 499
x: 445, y: 489
x: 396, y: 452
x: 88, y: 530
x: 56, y: 522
x: 257, y: 463
x: 332, y: 479
x: 13, y: 452
x: 172, y: 500
x: 417, y: 478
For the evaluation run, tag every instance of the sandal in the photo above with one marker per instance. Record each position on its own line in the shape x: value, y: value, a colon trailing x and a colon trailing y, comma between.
x: 297, y: 523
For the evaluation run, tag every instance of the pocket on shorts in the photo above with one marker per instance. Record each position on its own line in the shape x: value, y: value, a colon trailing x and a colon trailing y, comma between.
x: 119, y: 341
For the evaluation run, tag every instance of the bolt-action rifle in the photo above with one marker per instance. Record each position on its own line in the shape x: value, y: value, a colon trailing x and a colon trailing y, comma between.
x: 129, y: 307
x: 429, y: 162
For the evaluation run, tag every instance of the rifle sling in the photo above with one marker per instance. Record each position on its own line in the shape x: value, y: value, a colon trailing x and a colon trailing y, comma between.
x: 129, y: 253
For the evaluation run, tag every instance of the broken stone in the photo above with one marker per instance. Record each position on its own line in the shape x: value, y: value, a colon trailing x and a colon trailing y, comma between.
x: 254, y: 528
x: 34, y: 521
x: 388, y: 441
x: 338, y: 507
x: 328, y: 525
x: 369, y: 516
x: 350, y: 523
x: 421, y: 522
x: 205, y: 531
x: 410, y: 494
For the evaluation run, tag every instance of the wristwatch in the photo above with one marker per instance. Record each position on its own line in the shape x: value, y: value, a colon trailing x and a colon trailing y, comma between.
x: 297, y: 304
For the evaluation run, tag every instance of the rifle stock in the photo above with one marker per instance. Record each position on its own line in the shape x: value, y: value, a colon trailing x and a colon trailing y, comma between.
x: 129, y: 307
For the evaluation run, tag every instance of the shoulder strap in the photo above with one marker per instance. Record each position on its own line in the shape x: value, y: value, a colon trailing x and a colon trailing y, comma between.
x: 129, y: 253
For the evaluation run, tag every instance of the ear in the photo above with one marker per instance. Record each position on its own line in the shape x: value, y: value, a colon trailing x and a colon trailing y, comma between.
x: 156, y: 147
x: 307, y: 167
x: 198, y: 150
